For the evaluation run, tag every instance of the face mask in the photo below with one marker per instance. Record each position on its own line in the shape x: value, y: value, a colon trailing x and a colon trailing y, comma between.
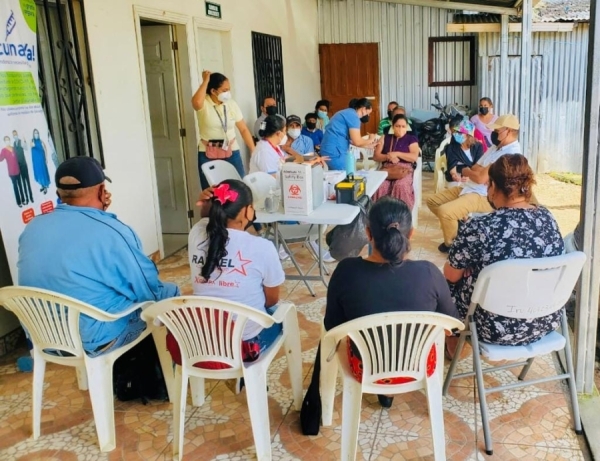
x: 271, y: 110
x: 390, y: 114
x: 494, y: 138
x: 283, y: 140
x: 294, y: 133
x: 251, y: 222
x: 36, y: 136
x: 16, y: 137
x: 7, y: 142
x: 322, y: 114
x: 311, y: 125
x: 365, y: 119
x: 459, y: 137
x: 225, y: 96
x: 484, y: 110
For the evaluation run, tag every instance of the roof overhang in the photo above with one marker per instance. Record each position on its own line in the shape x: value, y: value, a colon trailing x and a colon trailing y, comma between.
x: 512, y: 27
x: 498, y: 6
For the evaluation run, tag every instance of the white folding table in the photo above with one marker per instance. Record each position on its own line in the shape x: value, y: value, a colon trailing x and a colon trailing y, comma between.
x: 328, y: 214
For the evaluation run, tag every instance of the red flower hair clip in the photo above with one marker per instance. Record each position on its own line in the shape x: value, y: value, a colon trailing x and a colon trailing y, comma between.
x: 224, y: 194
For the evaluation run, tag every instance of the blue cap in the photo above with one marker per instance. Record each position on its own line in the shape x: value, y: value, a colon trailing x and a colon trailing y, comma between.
x: 87, y: 170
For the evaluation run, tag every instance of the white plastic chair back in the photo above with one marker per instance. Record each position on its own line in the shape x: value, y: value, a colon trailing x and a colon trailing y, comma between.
x: 394, y: 345
x: 440, y: 169
x: 217, y: 171
x: 418, y: 189
x: 207, y: 329
x: 260, y: 183
x: 538, y: 287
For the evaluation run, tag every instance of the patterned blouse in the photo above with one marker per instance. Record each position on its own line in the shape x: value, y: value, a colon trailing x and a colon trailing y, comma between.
x: 508, y: 233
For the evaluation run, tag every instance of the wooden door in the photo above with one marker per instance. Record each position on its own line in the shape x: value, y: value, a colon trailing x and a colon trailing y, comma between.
x: 351, y: 71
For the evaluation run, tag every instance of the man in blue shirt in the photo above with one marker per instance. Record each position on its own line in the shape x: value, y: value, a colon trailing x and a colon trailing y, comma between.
x: 82, y: 251
x: 310, y: 129
x: 343, y: 128
x: 301, y: 144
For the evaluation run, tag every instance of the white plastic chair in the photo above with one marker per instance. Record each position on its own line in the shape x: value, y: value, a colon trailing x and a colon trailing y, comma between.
x: 391, y: 345
x: 521, y: 289
x: 440, y: 166
x: 52, y: 321
x: 217, y: 171
x: 205, y: 333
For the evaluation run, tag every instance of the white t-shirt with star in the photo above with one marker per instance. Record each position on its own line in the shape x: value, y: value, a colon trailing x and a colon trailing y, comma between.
x: 251, y: 264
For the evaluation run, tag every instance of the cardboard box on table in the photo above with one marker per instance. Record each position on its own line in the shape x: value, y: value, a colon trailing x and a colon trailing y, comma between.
x: 301, y: 188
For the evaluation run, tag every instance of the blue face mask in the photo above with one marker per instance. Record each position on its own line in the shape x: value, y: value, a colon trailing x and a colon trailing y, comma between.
x: 322, y: 114
x: 459, y: 137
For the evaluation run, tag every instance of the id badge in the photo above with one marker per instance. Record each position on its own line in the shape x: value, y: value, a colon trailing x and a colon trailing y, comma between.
x: 225, y: 144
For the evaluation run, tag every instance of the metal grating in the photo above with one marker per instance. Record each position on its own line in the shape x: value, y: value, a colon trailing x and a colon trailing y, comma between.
x: 268, y: 70
x: 65, y: 79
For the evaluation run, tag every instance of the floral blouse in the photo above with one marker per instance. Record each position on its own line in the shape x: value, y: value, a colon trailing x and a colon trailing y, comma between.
x: 507, y: 233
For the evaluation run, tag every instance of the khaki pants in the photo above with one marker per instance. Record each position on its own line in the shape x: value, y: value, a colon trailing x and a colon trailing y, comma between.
x: 450, y: 207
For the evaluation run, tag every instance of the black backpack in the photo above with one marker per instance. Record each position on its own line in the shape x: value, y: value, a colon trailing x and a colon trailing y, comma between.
x: 137, y: 374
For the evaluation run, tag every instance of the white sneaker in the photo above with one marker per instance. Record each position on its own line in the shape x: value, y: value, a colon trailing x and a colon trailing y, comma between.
x: 283, y: 254
x: 327, y: 258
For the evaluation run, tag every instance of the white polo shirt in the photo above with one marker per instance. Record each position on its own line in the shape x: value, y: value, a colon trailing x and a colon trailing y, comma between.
x: 210, y: 125
x: 493, y: 154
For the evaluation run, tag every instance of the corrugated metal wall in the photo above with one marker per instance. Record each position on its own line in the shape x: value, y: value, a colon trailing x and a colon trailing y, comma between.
x: 402, y: 32
x: 557, y: 91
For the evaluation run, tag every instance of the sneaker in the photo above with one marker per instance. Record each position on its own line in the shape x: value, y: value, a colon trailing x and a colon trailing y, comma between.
x: 283, y: 254
x: 327, y: 258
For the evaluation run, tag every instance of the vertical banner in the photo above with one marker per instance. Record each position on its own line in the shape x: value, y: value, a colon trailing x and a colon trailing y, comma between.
x: 26, y: 150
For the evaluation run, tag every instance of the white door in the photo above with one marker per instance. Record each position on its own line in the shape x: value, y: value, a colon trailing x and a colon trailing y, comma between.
x: 161, y: 80
x: 210, y: 44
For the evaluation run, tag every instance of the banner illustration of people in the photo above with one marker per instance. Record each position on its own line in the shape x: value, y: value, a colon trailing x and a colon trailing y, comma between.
x: 28, y: 158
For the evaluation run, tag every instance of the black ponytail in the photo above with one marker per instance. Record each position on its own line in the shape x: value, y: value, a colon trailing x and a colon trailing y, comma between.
x: 390, y: 222
x: 219, y: 214
x: 271, y: 125
x: 215, y: 82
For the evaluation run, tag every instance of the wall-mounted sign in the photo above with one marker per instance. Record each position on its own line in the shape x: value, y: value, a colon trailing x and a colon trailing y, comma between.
x: 213, y: 10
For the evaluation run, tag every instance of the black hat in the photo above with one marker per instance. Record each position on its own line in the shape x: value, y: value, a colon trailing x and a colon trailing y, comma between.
x: 87, y: 170
x: 293, y: 119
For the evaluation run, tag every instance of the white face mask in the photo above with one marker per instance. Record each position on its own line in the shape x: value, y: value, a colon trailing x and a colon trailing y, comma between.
x: 294, y: 133
x: 224, y: 97
x: 7, y: 143
x: 283, y: 140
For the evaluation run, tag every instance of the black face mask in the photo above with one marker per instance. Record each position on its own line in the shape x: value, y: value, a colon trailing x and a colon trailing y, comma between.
x: 484, y: 110
x: 251, y: 222
x: 365, y: 119
x: 271, y: 110
x: 311, y: 125
x: 390, y: 114
x: 494, y: 138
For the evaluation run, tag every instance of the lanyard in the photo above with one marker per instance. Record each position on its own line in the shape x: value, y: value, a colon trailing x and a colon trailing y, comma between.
x: 276, y: 149
x: 223, y: 121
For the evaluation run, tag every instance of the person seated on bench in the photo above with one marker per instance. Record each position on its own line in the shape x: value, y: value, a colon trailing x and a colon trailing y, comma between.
x: 463, y: 151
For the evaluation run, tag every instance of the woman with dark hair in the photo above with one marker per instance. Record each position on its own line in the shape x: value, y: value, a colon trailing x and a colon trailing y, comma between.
x: 398, y: 153
x: 386, y: 280
x: 322, y: 110
x: 228, y: 262
x: 218, y: 116
x: 485, y: 116
x: 344, y: 128
x: 517, y: 229
x: 463, y: 151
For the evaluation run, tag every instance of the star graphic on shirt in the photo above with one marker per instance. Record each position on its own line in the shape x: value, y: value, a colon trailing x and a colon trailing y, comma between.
x: 242, y: 264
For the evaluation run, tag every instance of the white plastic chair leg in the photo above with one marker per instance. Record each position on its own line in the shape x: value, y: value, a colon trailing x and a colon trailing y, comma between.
x: 293, y: 352
x: 328, y: 381
x: 198, y: 395
x: 258, y: 406
x: 82, y: 378
x: 179, y: 406
x: 351, y: 410
x: 159, y: 335
x: 436, y: 415
x: 39, y: 369
x: 100, y: 377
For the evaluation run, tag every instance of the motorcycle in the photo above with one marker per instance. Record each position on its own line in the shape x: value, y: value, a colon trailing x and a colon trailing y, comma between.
x: 432, y: 132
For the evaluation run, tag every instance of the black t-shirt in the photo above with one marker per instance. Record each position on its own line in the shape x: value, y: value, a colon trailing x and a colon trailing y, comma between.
x: 359, y: 288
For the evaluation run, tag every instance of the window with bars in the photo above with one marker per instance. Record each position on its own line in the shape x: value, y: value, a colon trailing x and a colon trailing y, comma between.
x: 65, y: 76
x: 268, y: 70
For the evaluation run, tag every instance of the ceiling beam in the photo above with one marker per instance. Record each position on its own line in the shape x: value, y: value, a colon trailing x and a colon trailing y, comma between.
x: 482, y: 8
x: 512, y: 27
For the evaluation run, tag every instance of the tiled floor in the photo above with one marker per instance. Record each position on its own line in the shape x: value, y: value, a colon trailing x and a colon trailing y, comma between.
x: 528, y: 424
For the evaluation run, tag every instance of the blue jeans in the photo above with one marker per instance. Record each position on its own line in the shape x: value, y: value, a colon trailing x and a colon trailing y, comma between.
x: 235, y: 160
x: 135, y: 327
x: 267, y: 336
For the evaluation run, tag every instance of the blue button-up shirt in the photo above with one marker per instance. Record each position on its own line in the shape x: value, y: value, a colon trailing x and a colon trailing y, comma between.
x: 90, y: 255
x: 303, y: 145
